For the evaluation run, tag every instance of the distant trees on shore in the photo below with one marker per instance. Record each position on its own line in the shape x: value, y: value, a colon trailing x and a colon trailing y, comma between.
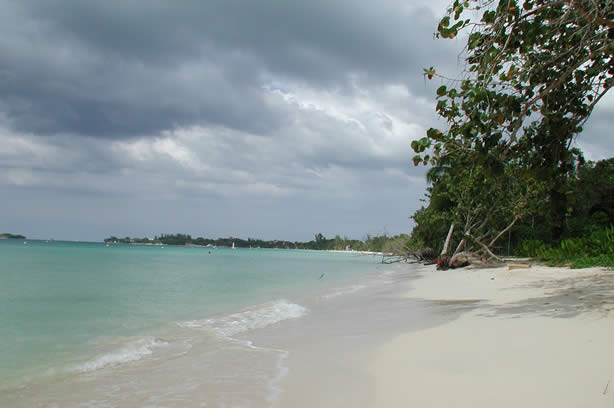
x: 6, y: 235
x: 375, y: 243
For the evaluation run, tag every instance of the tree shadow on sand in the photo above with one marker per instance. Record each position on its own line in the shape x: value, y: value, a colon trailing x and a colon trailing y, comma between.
x: 563, y: 298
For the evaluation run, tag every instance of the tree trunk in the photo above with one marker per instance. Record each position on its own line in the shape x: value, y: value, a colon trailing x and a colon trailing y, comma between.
x: 503, y: 232
x: 447, y: 243
x: 459, y: 247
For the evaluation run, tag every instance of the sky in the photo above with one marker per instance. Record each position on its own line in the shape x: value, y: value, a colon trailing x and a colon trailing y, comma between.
x: 265, y: 119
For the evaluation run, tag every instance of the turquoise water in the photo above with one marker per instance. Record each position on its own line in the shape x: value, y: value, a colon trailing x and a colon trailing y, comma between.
x: 60, y: 301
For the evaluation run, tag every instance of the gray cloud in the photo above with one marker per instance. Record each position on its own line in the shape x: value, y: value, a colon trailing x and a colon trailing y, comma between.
x: 119, y: 69
x: 272, y: 119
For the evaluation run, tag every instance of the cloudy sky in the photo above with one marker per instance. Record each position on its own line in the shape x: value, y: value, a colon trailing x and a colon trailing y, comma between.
x: 271, y: 119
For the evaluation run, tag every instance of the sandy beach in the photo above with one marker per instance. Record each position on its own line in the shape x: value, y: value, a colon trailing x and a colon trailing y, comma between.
x: 527, y: 337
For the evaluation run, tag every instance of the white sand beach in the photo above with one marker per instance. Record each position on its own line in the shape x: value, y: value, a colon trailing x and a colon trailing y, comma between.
x: 530, y: 337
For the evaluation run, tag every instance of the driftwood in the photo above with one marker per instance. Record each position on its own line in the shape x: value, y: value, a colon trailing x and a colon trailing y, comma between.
x: 459, y: 260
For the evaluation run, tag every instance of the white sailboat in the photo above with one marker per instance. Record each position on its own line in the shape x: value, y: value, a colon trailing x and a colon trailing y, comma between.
x: 233, y: 245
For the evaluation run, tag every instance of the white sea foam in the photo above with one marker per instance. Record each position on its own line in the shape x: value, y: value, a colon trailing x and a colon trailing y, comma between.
x: 281, y: 370
x: 132, y: 351
x: 255, y: 318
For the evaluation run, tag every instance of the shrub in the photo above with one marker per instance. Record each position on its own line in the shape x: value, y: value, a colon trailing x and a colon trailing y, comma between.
x: 533, y: 248
x: 593, y: 249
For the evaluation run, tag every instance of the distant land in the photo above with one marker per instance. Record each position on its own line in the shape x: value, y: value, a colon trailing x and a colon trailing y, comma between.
x: 6, y: 235
x: 320, y: 242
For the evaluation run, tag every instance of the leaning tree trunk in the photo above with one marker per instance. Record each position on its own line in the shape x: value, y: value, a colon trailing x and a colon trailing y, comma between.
x: 446, y: 245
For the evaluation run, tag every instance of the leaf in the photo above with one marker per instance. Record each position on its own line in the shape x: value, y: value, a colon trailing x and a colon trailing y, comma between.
x: 441, y: 91
x: 458, y: 11
x: 424, y: 142
x: 429, y: 73
x: 488, y: 17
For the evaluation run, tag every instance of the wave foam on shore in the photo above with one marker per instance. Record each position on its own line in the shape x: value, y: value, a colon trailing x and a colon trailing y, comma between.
x: 254, y: 318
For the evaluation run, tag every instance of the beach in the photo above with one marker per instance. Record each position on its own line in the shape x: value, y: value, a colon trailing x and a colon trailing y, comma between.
x: 531, y: 337
x: 362, y: 334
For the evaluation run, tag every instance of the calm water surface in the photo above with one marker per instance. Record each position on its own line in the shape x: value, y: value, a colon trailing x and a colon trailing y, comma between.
x: 72, y: 308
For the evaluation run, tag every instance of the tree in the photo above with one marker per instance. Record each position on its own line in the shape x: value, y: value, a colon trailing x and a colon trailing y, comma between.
x: 593, y: 197
x: 534, y: 72
x: 530, y: 68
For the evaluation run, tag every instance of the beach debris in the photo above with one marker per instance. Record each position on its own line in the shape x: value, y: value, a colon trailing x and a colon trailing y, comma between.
x: 321, y: 276
x: 605, y: 390
x: 518, y: 266
x: 459, y: 260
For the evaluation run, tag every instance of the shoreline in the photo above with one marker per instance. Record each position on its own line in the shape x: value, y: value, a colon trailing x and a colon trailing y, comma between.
x: 534, y: 337
x: 399, y: 335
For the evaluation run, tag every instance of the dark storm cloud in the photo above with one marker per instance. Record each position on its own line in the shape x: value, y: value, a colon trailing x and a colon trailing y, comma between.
x: 118, y: 69
x: 273, y: 119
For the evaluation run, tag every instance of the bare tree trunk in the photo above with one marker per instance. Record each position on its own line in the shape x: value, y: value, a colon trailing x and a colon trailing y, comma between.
x: 459, y: 247
x: 504, y: 231
x: 488, y: 251
x: 447, y: 243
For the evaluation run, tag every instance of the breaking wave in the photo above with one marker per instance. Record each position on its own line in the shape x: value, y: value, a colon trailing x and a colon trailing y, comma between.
x: 132, y: 351
x: 255, y: 318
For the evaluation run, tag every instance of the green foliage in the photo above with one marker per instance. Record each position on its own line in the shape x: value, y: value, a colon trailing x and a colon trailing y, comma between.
x: 589, y: 192
x: 533, y: 248
x: 593, y: 249
x: 589, y: 261
x: 536, y: 70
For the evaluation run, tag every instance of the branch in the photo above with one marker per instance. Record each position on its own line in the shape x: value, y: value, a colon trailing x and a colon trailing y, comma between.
x: 542, y: 93
x: 459, y: 247
x: 595, y: 19
x: 504, y: 231
x: 485, y: 248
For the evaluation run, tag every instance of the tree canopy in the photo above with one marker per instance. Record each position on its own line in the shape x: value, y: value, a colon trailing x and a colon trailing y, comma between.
x: 534, y: 72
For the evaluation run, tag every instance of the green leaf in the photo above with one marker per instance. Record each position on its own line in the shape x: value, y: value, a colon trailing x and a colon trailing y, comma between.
x: 457, y: 11
x: 432, y: 133
x: 489, y: 16
x: 424, y: 142
x: 441, y: 91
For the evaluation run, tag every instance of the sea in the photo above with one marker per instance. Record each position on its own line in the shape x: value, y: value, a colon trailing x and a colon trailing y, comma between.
x: 116, y: 325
